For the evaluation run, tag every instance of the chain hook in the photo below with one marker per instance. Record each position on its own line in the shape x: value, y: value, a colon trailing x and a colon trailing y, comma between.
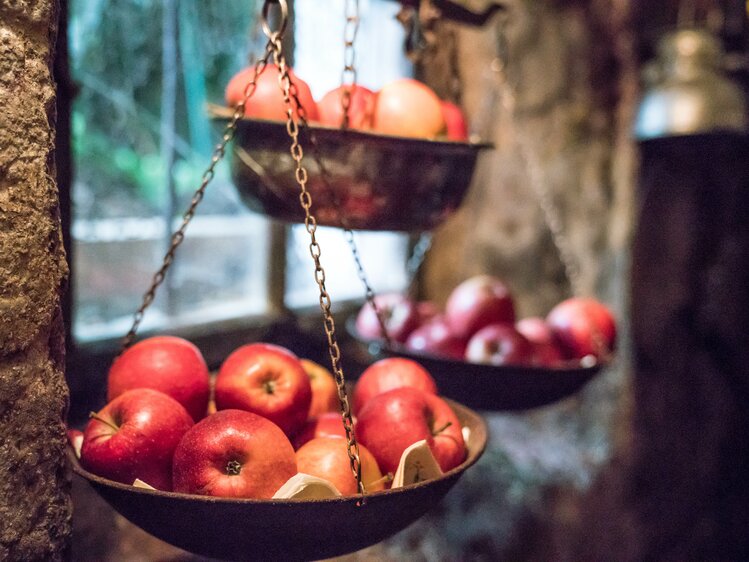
x: 284, y: 21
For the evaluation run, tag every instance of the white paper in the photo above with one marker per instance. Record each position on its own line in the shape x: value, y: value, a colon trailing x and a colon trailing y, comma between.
x: 416, y: 465
x: 306, y: 487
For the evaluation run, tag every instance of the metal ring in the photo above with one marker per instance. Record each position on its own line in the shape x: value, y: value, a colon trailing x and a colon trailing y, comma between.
x: 269, y: 33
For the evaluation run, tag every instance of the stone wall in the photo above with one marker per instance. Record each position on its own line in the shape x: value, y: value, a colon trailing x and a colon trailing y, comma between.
x: 35, y: 506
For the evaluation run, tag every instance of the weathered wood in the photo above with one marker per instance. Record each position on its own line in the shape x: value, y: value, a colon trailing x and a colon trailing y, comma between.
x: 35, y: 506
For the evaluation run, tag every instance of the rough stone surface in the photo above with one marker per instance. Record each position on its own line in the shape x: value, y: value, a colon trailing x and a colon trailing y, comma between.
x: 35, y: 507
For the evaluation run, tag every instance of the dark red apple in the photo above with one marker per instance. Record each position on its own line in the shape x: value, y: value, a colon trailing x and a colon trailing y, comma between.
x: 134, y: 436
x: 387, y: 374
x: 408, y: 108
x: 499, y: 344
x: 583, y: 326
x: 328, y: 424
x: 327, y: 457
x: 455, y: 123
x: 361, y: 109
x: 546, y: 350
x: 324, y: 389
x: 426, y: 311
x: 393, y: 421
x: 268, y: 380
x: 234, y: 454
x: 398, y: 312
x: 436, y: 338
x: 267, y: 101
x: 478, y: 302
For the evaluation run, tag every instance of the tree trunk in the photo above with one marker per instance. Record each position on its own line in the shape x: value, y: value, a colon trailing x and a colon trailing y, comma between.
x: 35, y: 507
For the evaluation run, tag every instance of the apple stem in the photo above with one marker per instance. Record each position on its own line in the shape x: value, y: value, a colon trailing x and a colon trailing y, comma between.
x: 233, y: 468
x: 387, y: 478
x: 441, y: 429
x: 98, y: 418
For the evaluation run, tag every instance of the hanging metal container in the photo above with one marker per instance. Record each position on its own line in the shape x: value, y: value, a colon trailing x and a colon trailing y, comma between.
x: 687, y: 91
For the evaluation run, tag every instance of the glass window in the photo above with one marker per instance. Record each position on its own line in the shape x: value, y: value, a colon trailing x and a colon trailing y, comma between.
x: 142, y: 139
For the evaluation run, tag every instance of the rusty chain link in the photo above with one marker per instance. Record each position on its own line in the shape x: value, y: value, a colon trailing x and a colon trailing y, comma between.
x: 348, y: 75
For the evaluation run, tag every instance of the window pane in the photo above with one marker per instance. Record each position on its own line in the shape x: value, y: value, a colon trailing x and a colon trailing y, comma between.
x: 319, y: 61
x: 122, y: 202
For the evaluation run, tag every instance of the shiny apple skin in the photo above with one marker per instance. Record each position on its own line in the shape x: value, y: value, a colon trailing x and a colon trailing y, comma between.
x: 267, y: 101
x: 329, y: 424
x: 361, y: 108
x: 324, y: 389
x: 268, y: 380
x: 499, y: 344
x: 399, y: 313
x: 456, y: 128
x: 233, y: 454
x: 436, y: 338
x: 168, y: 364
x: 327, y: 457
x: 583, y: 326
x: 546, y: 348
x: 408, y: 108
x: 395, y: 420
x: 387, y: 374
x: 149, y: 424
x: 478, y: 302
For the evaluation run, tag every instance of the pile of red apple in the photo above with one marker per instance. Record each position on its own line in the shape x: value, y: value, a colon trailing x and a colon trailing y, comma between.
x: 479, y: 325
x: 403, y: 107
x: 267, y: 416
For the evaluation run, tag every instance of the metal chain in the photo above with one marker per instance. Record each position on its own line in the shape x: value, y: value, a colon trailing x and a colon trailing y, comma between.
x: 348, y: 75
x: 310, y: 224
x: 179, y: 235
x: 538, y: 183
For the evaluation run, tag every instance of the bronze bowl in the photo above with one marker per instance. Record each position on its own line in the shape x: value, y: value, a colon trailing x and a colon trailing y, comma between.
x: 244, y: 529
x: 368, y: 181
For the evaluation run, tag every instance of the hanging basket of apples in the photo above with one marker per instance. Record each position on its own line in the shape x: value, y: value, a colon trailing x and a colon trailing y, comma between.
x: 481, y: 354
x: 396, y: 159
x: 268, y: 458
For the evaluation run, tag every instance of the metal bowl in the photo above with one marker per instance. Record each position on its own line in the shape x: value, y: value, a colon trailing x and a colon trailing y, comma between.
x: 489, y: 387
x: 242, y: 529
x: 370, y: 181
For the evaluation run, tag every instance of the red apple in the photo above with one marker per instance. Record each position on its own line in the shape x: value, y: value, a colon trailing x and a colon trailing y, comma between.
x: 361, y: 109
x: 324, y: 389
x: 408, y: 108
x: 390, y: 373
x: 583, y: 326
x: 478, y: 302
x: 234, y: 454
x: 436, y: 338
x: 393, y: 421
x: 426, y: 311
x: 455, y: 123
x: 327, y: 457
x: 499, y: 344
x: 268, y: 380
x: 267, y: 101
x: 546, y: 350
x: 328, y: 424
x: 169, y: 364
x: 134, y: 436
x: 398, y: 312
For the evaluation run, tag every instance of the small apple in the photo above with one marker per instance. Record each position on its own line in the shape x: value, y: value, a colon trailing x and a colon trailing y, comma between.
x: 361, y: 109
x: 408, y: 108
x: 395, y: 420
x: 546, y: 350
x: 134, y: 436
x: 267, y: 101
x: 399, y: 314
x: 478, y: 302
x: 583, y: 326
x: 327, y: 457
x: 499, y: 344
x: 268, y: 380
x: 169, y: 364
x: 426, y: 311
x: 324, y: 389
x: 436, y: 338
x: 455, y: 123
x: 234, y: 454
x: 387, y: 374
x: 328, y: 424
